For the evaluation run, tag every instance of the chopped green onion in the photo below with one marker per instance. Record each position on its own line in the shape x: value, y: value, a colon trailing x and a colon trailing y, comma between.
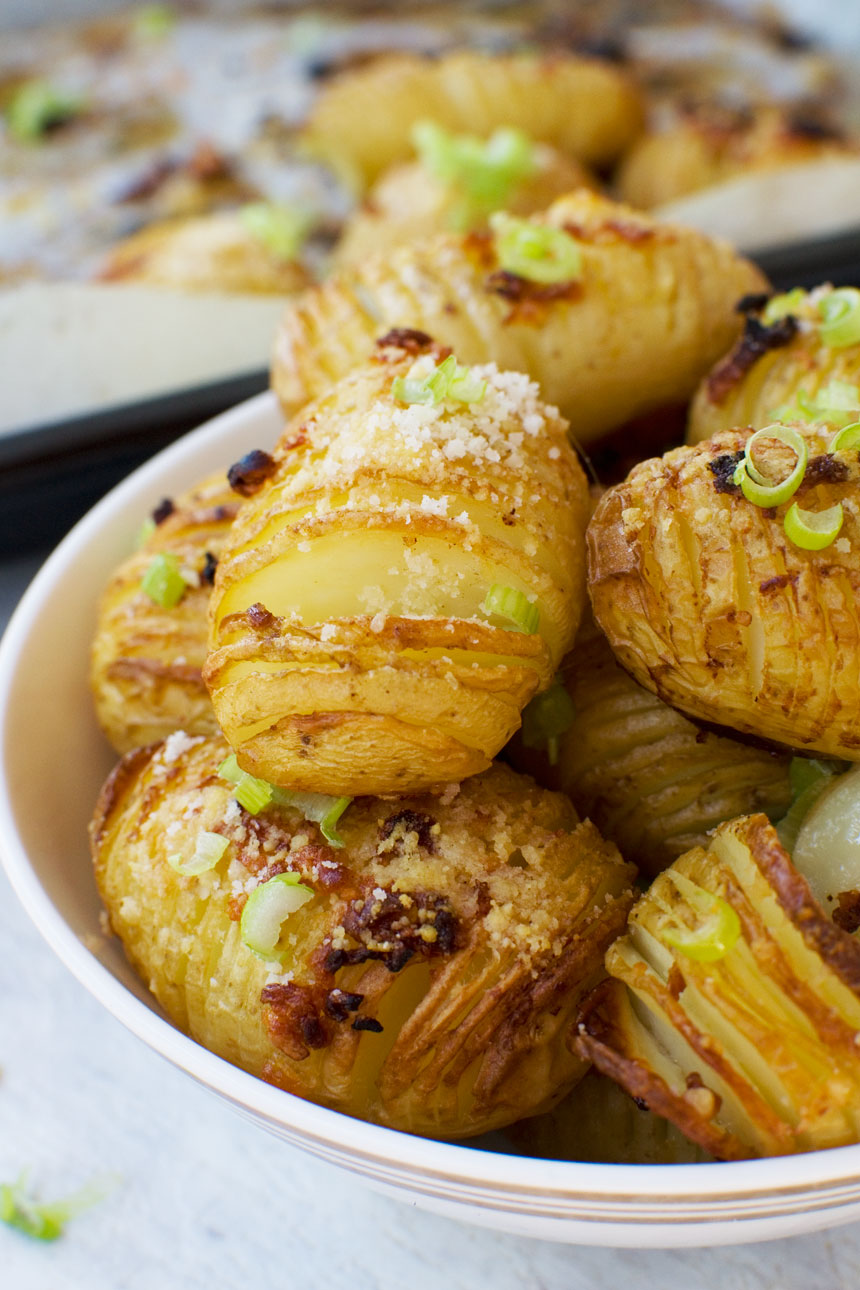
x: 163, y: 581
x: 318, y: 807
x: 840, y: 317
x: 510, y: 603
x: 447, y: 381
x: 266, y: 910
x: 813, y: 530
x: 154, y: 21
x: 847, y: 437
x: 547, y: 717
x: 716, y: 934
x: 780, y: 306
x: 18, y: 1209
x: 144, y: 533
x: 281, y: 230
x: 483, y: 172
x: 809, y: 776
x: 759, y: 488
x: 208, y: 850
x: 535, y: 252
x: 37, y: 107
x: 837, y: 401
x: 252, y: 793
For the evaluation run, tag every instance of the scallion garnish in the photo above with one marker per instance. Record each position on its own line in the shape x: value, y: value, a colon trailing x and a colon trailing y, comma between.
x: 813, y: 530
x: 144, y: 533
x: 163, y: 581
x: 513, y: 604
x: 836, y: 401
x: 447, y: 381
x: 780, y: 306
x: 266, y: 910
x: 45, y: 1222
x: 280, y: 229
x: 760, y: 489
x: 252, y: 793
x: 483, y: 173
x: 847, y: 437
x: 840, y: 317
x: 318, y: 807
x: 535, y: 252
x: 38, y: 107
x: 208, y: 850
x: 716, y: 934
x: 546, y: 718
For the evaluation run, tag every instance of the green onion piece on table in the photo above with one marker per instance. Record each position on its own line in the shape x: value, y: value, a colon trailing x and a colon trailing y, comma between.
x: 535, y: 252
x: 45, y: 1222
x: 266, y: 910
x: 510, y: 603
x: 38, y: 107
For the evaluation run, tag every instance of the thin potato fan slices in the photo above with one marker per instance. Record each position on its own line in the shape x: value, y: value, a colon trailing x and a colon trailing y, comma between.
x: 611, y: 312
x: 707, y: 599
x: 424, y: 974
x: 410, y: 573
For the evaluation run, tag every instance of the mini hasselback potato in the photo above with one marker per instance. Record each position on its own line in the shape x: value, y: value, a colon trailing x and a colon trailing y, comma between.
x: 146, y: 658
x: 409, y: 204
x: 361, y: 123
x: 216, y: 252
x: 782, y: 367
x: 733, y: 1007
x: 356, y: 642
x: 651, y: 780
x: 644, y: 313
x: 426, y: 972
x: 707, y: 601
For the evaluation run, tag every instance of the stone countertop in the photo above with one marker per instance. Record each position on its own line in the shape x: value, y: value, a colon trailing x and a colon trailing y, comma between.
x: 194, y: 1196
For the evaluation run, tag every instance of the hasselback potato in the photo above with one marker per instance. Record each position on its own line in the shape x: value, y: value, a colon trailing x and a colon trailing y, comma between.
x: 147, y: 654
x: 784, y: 366
x: 362, y: 122
x: 652, y: 781
x: 733, y: 1006
x: 422, y: 974
x: 409, y: 573
x: 708, y: 600
x: 639, y: 316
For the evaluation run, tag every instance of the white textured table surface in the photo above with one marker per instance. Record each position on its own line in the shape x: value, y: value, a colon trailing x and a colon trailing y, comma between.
x: 197, y: 1197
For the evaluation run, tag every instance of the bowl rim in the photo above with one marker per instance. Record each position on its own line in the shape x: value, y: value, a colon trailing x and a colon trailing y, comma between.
x: 620, y: 1193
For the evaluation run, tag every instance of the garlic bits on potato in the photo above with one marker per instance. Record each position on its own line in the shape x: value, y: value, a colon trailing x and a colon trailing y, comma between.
x: 733, y: 1004
x: 725, y: 576
x: 150, y: 639
x: 613, y: 313
x: 408, y: 575
x: 414, y: 961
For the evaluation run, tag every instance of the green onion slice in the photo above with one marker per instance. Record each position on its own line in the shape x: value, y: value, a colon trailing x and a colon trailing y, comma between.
x: 18, y: 1209
x: 483, y: 172
x: 39, y: 106
x: 837, y: 401
x: 840, y: 317
x: 779, y: 306
x: 252, y: 793
x: 757, y: 487
x: 717, y: 932
x: 847, y: 437
x: 144, y: 533
x: 208, y: 850
x: 510, y: 603
x: 813, y: 530
x: 163, y: 581
x: 266, y: 910
x: 446, y: 381
x: 546, y: 718
x: 321, y: 808
x: 281, y: 229
x: 535, y: 252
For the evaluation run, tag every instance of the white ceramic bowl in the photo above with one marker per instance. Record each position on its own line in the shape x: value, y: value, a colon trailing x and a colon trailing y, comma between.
x: 52, y: 763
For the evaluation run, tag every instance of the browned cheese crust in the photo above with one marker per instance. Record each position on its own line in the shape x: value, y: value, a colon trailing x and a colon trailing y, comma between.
x: 706, y: 602
x: 430, y: 981
x: 146, y: 661
x: 651, y: 310
x: 757, y: 1051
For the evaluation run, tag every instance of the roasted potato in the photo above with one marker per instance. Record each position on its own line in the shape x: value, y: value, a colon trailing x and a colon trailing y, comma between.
x: 734, y: 1003
x: 649, y: 310
x: 429, y: 978
x: 781, y: 368
x: 707, y: 602
x: 410, y: 203
x: 652, y: 781
x: 217, y: 252
x: 827, y: 845
x: 709, y: 146
x: 358, y: 639
x: 361, y: 124
x: 146, y: 659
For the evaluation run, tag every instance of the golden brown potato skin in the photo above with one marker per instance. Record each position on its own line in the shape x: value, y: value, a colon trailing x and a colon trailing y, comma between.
x: 768, y: 368
x: 362, y: 121
x: 652, y: 781
x: 409, y: 204
x: 706, y: 602
x: 651, y: 311
x: 213, y: 252
x: 146, y: 661
x: 459, y: 932
x: 751, y: 1053
x: 350, y: 652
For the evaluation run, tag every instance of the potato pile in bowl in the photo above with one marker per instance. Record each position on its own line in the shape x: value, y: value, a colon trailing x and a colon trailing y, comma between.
x: 410, y: 715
